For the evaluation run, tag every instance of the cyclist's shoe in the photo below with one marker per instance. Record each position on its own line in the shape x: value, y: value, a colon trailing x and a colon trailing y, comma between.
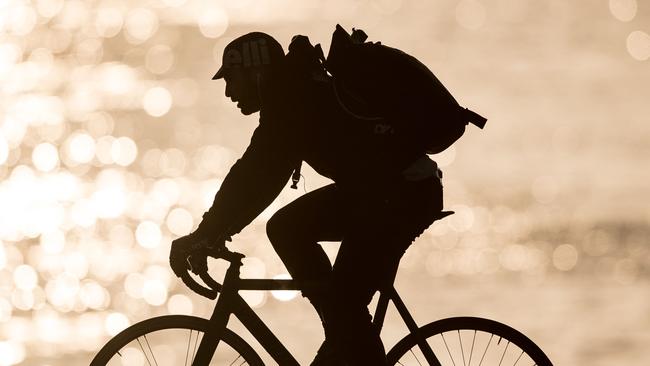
x: 327, y: 356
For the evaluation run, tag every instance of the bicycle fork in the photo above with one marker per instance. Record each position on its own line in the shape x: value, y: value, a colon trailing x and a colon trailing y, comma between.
x: 229, y: 302
x: 218, y: 320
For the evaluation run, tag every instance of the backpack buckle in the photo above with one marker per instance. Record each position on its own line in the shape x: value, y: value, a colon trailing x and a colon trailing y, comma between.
x: 295, y: 177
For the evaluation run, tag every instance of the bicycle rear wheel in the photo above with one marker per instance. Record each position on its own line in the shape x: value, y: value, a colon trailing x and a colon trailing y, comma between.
x: 469, y: 341
x: 171, y: 340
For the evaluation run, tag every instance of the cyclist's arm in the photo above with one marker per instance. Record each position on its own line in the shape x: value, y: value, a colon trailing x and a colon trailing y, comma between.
x: 253, y: 182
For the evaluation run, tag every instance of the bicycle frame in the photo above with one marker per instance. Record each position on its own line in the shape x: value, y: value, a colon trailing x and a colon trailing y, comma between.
x: 230, y: 302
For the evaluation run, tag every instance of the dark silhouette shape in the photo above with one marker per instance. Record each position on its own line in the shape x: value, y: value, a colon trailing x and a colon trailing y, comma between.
x: 494, y: 338
x: 370, y: 135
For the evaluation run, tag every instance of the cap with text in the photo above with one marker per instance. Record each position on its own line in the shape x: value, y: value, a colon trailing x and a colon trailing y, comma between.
x: 252, y: 50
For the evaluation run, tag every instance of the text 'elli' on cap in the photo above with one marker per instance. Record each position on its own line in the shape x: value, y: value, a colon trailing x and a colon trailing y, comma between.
x: 255, y: 49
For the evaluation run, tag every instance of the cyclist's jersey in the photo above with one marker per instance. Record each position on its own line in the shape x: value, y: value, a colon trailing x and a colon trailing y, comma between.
x: 302, y: 121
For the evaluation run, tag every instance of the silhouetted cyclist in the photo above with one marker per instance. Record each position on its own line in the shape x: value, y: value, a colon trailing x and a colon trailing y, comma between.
x: 385, y: 193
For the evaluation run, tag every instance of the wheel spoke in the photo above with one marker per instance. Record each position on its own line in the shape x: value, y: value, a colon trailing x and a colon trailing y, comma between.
x: 196, y: 342
x: 235, y: 360
x: 151, y: 351
x: 517, y: 360
x: 447, y: 347
x: 143, y: 352
x: 472, y: 350
x: 504, y: 353
x: 486, y: 348
x: 461, y: 348
x: 416, y: 357
x: 187, y: 353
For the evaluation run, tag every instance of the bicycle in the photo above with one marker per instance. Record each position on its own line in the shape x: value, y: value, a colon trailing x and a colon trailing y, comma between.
x: 219, y: 345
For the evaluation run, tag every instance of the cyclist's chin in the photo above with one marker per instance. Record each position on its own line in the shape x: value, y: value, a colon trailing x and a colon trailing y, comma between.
x: 247, y: 109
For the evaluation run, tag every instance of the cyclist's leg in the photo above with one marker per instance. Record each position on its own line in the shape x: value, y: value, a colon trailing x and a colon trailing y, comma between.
x: 346, y: 317
x: 294, y: 232
x: 367, y: 260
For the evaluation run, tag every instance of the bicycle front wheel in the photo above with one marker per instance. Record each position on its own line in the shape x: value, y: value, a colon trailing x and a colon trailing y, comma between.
x: 469, y: 341
x: 171, y: 340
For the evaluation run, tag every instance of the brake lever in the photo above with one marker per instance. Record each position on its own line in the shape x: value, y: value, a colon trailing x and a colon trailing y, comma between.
x: 198, y: 265
x: 196, y: 287
x: 219, y: 253
x: 198, y: 261
x: 208, y: 280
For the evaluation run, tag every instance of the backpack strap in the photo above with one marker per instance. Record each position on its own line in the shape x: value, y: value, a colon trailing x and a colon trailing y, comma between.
x: 473, y: 117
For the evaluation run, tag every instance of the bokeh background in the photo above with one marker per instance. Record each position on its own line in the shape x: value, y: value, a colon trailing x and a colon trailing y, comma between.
x: 113, y: 142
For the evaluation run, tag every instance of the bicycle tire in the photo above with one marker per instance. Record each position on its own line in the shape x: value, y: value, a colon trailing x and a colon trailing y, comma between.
x: 171, y: 322
x: 407, y: 347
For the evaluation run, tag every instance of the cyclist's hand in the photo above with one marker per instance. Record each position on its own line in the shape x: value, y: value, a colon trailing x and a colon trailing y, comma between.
x: 190, y: 253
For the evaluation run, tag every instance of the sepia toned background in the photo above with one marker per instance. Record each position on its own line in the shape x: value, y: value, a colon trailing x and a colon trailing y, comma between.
x: 113, y: 142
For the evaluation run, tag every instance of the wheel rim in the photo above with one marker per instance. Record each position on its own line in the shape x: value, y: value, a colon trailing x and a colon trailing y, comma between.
x: 171, y: 347
x: 469, y: 348
x: 470, y: 342
x: 171, y: 341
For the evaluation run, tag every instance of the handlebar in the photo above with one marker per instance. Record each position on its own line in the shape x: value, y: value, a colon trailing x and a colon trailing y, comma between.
x: 214, y: 287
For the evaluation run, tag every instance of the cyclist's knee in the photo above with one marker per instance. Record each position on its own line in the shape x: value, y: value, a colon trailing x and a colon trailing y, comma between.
x: 277, y: 229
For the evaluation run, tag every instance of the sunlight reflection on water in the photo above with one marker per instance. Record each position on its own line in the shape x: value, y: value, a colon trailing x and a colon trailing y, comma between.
x: 113, y: 141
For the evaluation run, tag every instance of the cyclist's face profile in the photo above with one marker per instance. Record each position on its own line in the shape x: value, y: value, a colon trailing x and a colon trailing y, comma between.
x: 241, y: 88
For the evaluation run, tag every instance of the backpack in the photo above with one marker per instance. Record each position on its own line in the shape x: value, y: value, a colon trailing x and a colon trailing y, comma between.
x: 386, y: 87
